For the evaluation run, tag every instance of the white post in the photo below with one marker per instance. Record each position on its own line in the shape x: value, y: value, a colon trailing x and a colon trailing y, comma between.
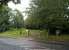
x: 57, y: 32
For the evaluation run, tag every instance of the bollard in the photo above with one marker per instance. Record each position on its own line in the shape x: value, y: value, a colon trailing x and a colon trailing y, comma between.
x: 27, y: 32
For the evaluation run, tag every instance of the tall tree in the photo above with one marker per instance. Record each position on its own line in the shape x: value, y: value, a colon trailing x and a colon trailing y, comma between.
x: 50, y: 14
x: 4, y: 14
x: 6, y: 1
x: 4, y: 18
x: 16, y: 19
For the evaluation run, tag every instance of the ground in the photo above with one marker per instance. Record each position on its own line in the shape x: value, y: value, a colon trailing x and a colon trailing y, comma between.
x: 19, y: 39
x: 37, y: 34
x: 14, y: 33
x: 28, y: 44
x: 44, y: 36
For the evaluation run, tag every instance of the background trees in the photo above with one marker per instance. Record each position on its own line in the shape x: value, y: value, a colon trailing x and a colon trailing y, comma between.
x: 16, y: 19
x: 6, y: 1
x: 49, y: 14
x: 5, y: 14
x: 4, y: 18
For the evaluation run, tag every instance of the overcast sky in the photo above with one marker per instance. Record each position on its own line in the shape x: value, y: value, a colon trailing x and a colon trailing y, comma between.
x: 21, y: 6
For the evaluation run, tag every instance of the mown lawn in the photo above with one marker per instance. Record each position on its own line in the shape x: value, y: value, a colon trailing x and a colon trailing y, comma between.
x: 14, y: 33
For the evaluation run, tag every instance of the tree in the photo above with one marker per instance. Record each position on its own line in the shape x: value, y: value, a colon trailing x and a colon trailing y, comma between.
x: 16, y: 19
x: 6, y: 1
x: 4, y: 18
x: 49, y: 13
x: 19, y: 22
x: 4, y: 15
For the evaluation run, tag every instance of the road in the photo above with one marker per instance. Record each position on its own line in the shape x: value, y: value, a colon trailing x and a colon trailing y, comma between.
x: 28, y: 44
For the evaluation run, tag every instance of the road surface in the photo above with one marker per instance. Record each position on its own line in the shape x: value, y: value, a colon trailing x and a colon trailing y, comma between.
x: 28, y: 44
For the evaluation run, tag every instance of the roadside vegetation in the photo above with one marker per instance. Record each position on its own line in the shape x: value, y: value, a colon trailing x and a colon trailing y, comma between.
x: 48, y: 20
x: 51, y: 15
x: 42, y: 35
x: 14, y: 33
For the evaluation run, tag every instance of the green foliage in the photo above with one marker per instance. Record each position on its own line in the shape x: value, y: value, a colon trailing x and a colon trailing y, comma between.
x: 4, y: 18
x: 3, y: 2
x: 16, y: 19
x: 43, y: 36
x: 5, y: 21
x: 48, y: 14
x: 14, y: 33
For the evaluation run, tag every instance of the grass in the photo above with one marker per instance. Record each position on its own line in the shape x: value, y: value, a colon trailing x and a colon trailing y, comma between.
x: 58, y: 38
x: 14, y: 33
x: 43, y: 36
x: 37, y: 34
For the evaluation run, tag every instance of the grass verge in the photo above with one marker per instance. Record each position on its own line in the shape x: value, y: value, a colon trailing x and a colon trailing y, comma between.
x: 14, y: 33
x: 43, y: 36
x: 58, y: 38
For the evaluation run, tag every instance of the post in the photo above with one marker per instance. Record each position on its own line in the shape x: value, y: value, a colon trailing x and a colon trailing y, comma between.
x: 57, y: 32
x: 27, y: 32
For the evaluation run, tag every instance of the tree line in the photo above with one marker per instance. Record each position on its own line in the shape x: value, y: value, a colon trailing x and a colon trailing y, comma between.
x: 52, y: 15
x: 9, y: 18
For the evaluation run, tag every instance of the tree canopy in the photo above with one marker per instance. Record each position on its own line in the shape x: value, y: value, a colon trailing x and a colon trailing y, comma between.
x: 4, y: 15
x: 6, y: 1
x: 49, y: 14
x: 16, y: 19
x: 4, y: 18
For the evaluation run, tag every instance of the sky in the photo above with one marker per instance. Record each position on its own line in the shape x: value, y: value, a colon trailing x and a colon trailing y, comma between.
x: 21, y: 6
